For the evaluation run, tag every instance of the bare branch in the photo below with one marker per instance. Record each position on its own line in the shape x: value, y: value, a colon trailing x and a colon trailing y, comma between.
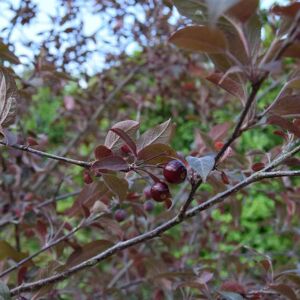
x: 190, y: 198
x: 281, y: 174
x: 80, y: 163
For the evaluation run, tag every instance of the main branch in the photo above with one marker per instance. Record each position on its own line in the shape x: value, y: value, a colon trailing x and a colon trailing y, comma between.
x: 257, y: 176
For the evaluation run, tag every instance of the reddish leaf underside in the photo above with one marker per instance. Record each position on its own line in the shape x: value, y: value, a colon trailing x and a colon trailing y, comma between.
x: 8, y: 99
x: 113, y: 141
x: 231, y: 86
x: 102, y: 151
x: 87, y: 251
x: 126, y: 138
x: 118, y: 186
x: 200, y: 38
x: 157, y: 154
x: 284, y: 124
x: 160, y: 134
x: 243, y: 10
x: 111, y: 163
x: 287, y: 106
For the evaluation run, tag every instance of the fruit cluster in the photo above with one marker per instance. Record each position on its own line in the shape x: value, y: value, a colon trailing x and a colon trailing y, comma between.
x: 174, y: 172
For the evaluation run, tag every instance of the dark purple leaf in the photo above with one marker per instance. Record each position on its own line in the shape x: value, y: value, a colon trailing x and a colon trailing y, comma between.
x: 111, y: 163
x: 157, y: 154
x: 284, y: 290
x: 87, y: 251
x: 113, y: 141
x: 119, y: 186
x: 102, y: 151
x: 200, y: 38
x: 160, y: 134
x: 126, y: 138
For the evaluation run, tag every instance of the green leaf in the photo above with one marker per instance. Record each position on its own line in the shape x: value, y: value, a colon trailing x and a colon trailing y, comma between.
x: 4, y: 292
x: 202, y: 165
x: 160, y: 134
x: 200, y: 38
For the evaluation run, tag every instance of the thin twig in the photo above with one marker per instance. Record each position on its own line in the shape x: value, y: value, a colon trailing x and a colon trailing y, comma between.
x: 40, y: 205
x: 236, y: 131
x: 45, y: 248
x: 87, y: 125
x: 48, y: 155
x: 187, y: 203
x: 256, y: 86
x: 232, y: 138
x: 58, y: 198
x: 119, y: 275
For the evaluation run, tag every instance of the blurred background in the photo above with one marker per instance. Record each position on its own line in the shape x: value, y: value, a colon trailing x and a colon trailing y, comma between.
x: 75, y: 57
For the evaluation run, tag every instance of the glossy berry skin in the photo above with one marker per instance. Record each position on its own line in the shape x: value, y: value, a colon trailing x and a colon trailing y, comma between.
x: 87, y: 178
x: 160, y: 191
x: 125, y: 149
x: 148, y: 206
x: 175, y: 171
x: 120, y: 215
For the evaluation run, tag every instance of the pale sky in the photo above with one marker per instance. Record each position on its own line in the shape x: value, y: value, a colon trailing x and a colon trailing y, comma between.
x: 48, y: 7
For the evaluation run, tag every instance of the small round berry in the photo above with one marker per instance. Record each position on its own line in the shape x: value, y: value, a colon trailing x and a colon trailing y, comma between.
x: 147, y: 192
x: 148, y: 206
x: 32, y: 142
x: 258, y: 166
x: 175, y: 171
x: 160, y: 191
x: 219, y: 145
x: 125, y: 149
x: 87, y: 178
x: 120, y: 215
